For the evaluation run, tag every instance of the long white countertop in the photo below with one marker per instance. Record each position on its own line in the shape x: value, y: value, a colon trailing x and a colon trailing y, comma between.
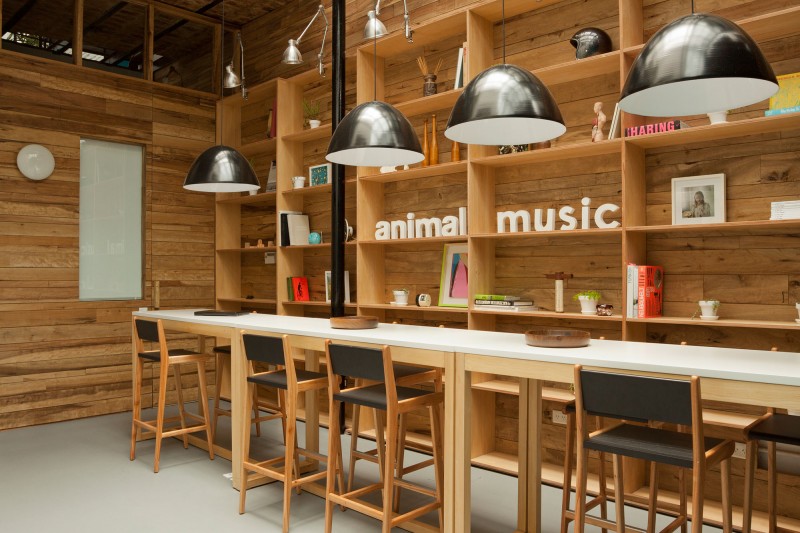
x: 781, y: 368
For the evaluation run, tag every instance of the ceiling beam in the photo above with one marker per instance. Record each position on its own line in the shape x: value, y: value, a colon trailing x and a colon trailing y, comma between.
x: 16, y: 17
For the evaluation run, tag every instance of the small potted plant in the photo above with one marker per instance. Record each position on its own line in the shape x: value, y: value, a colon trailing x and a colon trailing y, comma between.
x: 588, y: 301
x: 311, y: 113
x: 708, y: 309
x: 400, y: 296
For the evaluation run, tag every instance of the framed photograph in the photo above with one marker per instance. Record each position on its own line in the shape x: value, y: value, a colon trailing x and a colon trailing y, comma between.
x: 329, y: 287
x: 319, y: 174
x: 698, y: 199
x: 453, y: 287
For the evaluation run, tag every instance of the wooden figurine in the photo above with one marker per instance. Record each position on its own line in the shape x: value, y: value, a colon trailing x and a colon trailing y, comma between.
x: 425, y: 152
x: 598, y: 123
x: 434, y: 151
x: 559, y: 277
x: 455, y: 152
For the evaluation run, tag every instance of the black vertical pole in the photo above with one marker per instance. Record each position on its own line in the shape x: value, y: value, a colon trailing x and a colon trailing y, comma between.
x: 337, y: 194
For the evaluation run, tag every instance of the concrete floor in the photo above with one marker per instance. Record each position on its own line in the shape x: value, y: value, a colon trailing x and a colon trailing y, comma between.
x: 76, y: 477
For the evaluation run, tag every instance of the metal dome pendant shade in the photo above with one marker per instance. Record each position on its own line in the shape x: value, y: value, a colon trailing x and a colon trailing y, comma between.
x: 700, y: 63
x: 374, y: 134
x: 504, y: 105
x: 221, y: 169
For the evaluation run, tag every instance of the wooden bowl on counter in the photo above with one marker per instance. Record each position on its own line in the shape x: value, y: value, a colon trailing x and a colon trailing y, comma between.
x: 557, y: 338
x: 354, y: 322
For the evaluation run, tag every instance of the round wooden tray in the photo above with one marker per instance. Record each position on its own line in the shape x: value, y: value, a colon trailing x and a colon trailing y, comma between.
x: 354, y: 322
x: 557, y: 338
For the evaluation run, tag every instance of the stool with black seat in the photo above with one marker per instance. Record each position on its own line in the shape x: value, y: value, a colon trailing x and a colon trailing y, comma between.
x: 222, y: 355
x: 375, y: 365
x: 290, y: 383
x: 634, y: 400
x: 773, y: 428
x: 149, y: 331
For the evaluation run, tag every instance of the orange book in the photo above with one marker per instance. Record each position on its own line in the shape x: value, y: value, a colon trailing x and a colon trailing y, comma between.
x: 651, y: 291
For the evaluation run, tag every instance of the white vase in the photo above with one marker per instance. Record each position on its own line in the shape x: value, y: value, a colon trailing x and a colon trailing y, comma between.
x: 400, y: 297
x: 718, y: 117
x: 314, y: 123
x: 588, y: 305
x: 708, y: 308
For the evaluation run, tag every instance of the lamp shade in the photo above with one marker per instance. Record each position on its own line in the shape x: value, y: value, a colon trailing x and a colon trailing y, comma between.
x: 697, y: 64
x: 221, y: 169
x: 230, y: 79
x: 374, y: 28
x: 292, y: 55
x: 503, y: 105
x: 374, y: 134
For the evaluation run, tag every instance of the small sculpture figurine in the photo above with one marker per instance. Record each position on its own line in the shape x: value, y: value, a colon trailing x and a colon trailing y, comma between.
x: 590, y: 42
x: 598, y: 123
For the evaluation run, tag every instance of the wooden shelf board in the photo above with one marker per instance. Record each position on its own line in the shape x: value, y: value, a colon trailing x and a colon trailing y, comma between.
x: 432, y: 31
x: 313, y: 189
x: 256, y: 301
x: 721, y: 322
x: 775, y: 25
x: 505, y: 463
x: 499, y: 386
x: 579, y: 69
x: 310, y: 134
x: 546, y: 314
x: 262, y: 147
x: 715, y: 132
x: 423, y: 241
x: 312, y: 246
x: 749, y: 227
x: 264, y: 198
x: 443, y: 169
x: 426, y: 104
x: 413, y: 307
x: 250, y: 250
x: 493, y: 11
x: 556, y: 153
x: 314, y: 303
x: 557, y: 233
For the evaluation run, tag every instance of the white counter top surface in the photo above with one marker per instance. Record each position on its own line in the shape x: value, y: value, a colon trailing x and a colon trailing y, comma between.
x: 762, y: 366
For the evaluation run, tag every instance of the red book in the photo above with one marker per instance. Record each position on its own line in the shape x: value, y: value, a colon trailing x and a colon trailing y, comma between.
x: 651, y: 291
x: 300, y: 289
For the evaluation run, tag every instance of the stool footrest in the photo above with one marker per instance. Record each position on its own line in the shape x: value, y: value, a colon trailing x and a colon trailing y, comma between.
x: 417, y: 466
x: 610, y: 524
x: 419, y: 511
x: 371, y: 455
x: 413, y: 486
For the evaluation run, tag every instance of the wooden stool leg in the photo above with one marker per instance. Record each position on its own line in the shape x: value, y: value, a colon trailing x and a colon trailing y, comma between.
x: 727, y: 517
x: 162, y: 399
x: 245, y: 455
x: 334, y: 455
x: 698, y: 483
x: 751, y: 459
x: 569, y: 446
x: 401, y: 448
x: 580, y: 488
x: 772, y: 482
x: 217, y: 392
x: 289, y: 460
x: 683, y: 510
x: 203, y: 386
x: 652, y: 503
x: 351, y: 472
x: 380, y: 442
x: 176, y: 369
x: 137, y: 403
x: 619, y: 493
x: 256, y: 413
x: 389, y: 460
x: 437, y: 443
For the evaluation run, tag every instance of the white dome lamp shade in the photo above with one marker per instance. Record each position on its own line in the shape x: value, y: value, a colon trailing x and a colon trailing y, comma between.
x: 700, y: 63
x: 35, y: 162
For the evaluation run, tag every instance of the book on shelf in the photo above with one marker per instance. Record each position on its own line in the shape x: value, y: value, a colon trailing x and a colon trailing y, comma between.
x: 459, y: 83
x: 299, y: 292
x: 658, y: 127
x: 290, y: 291
x: 500, y: 297
x: 614, y: 131
x: 786, y: 210
x: 272, y: 177
x: 511, y: 308
x: 632, y: 291
x: 787, y: 99
x: 298, y: 229
x: 283, y: 236
x: 650, y: 289
x: 502, y: 303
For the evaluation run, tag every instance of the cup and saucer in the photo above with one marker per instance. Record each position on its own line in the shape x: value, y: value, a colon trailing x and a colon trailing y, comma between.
x: 716, y: 317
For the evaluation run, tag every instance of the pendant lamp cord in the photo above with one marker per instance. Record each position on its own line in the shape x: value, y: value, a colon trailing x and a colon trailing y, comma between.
x: 503, y: 8
x: 222, y: 80
x: 692, y: 7
x: 375, y: 58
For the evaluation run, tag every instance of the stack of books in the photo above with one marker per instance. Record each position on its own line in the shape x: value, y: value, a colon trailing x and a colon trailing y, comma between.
x: 503, y: 302
x: 788, y: 210
x: 645, y: 291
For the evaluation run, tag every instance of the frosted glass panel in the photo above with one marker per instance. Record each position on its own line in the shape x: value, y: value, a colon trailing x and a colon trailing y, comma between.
x: 111, y: 221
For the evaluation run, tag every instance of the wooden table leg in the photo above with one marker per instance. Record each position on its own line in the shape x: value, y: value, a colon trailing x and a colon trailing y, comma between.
x: 458, y: 450
x: 240, y: 420
x: 312, y: 410
x: 529, y: 503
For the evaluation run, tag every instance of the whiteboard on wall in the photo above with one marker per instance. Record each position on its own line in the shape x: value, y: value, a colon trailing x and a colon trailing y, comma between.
x: 111, y: 229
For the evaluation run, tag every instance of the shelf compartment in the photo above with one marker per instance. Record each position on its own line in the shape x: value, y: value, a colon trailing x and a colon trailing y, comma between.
x: 431, y: 32
x: 546, y: 314
x: 543, y: 234
x: 317, y: 303
x: 264, y: 198
x: 413, y: 307
x: 312, y: 246
x: 721, y: 322
x: 426, y: 104
x: 716, y: 132
x: 254, y: 301
x: 250, y: 250
x: 579, y: 69
x: 443, y: 169
x: 264, y: 146
x: 310, y: 134
x: 422, y: 241
x: 312, y: 189
x: 556, y: 153
x: 754, y: 227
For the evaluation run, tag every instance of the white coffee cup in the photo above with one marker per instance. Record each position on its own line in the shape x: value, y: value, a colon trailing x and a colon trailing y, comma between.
x: 298, y: 182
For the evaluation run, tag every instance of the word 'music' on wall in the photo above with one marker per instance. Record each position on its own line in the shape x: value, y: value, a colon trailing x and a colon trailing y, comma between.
x: 507, y: 222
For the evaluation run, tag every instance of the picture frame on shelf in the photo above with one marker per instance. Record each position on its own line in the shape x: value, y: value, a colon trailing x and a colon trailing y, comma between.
x: 319, y: 174
x: 329, y: 286
x: 698, y: 199
x: 453, y: 286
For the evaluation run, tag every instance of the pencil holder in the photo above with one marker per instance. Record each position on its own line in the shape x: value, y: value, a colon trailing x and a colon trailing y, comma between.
x: 429, y: 87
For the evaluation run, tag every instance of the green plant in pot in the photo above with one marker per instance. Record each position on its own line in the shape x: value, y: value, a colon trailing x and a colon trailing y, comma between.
x: 311, y: 113
x: 588, y: 301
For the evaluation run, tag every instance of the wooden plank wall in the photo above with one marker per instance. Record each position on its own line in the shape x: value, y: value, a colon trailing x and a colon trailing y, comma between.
x: 61, y: 358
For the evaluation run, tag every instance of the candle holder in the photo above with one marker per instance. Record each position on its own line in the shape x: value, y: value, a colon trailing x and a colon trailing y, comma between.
x: 429, y: 87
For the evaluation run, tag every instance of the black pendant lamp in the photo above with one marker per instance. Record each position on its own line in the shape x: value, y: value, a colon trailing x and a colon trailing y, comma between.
x: 374, y: 134
x: 700, y: 63
x: 221, y: 168
x: 503, y: 105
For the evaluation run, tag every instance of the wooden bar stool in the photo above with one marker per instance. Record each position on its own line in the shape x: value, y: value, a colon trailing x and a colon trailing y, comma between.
x: 222, y: 354
x: 145, y: 330
x: 773, y: 428
x: 639, y: 399
x: 290, y: 382
x: 376, y: 365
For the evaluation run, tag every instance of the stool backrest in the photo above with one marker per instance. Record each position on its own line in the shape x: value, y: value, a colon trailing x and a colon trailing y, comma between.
x: 356, y: 362
x: 147, y: 330
x: 264, y: 349
x: 636, y: 398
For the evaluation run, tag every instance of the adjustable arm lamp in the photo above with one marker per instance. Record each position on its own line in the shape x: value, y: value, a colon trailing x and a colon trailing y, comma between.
x: 292, y: 55
x: 231, y: 80
x: 376, y: 29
